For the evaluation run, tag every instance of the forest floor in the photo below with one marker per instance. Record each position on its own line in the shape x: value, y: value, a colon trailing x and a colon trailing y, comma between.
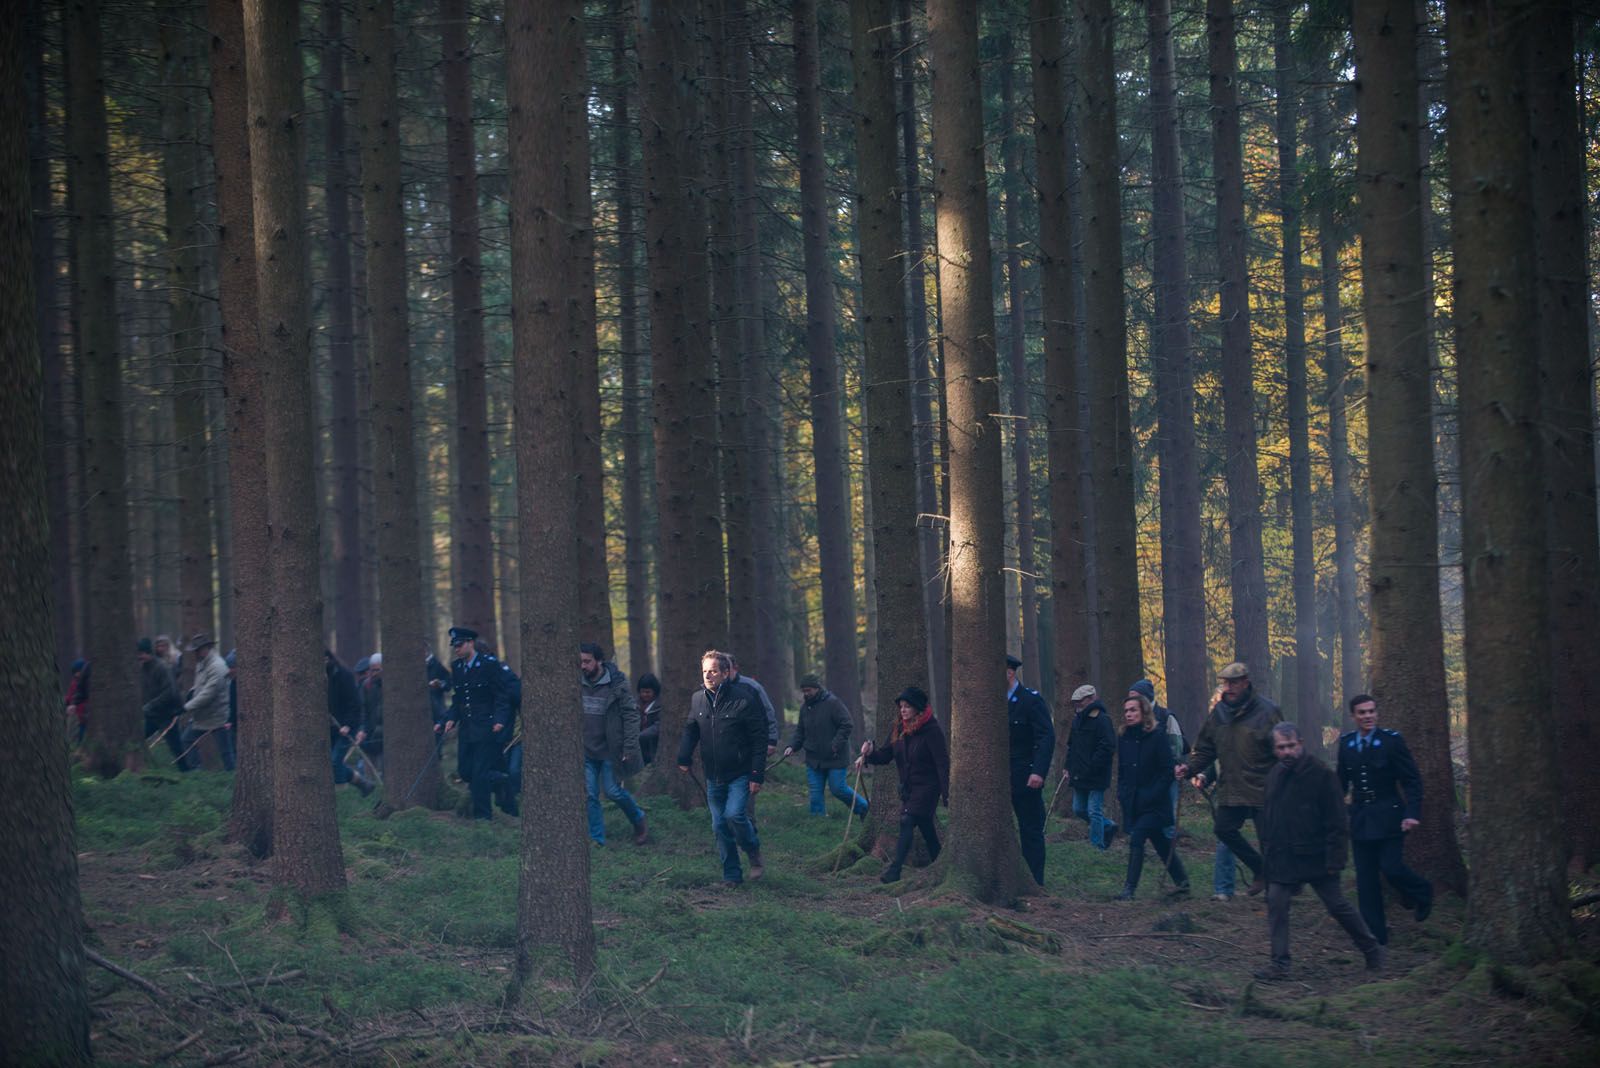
x: 802, y: 967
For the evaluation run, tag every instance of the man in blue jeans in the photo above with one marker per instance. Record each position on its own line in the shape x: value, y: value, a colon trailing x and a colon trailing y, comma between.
x: 1091, y: 751
x: 727, y: 721
x: 610, y: 741
x: 822, y: 730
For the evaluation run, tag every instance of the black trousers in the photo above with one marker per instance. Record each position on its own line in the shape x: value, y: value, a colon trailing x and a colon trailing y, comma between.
x: 1029, y: 807
x: 479, y: 765
x: 909, y: 823
x: 1229, y: 820
x: 1164, y: 849
x: 1281, y: 895
x: 1385, y: 857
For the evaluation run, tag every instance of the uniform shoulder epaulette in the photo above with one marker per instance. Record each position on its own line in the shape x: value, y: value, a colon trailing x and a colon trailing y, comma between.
x: 1347, y: 735
x: 1389, y: 731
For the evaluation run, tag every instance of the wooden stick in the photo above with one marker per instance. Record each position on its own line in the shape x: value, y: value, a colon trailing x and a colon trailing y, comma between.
x: 1059, y: 784
x: 150, y: 743
x: 186, y: 752
x: 118, y: 970
x: 848, y: 820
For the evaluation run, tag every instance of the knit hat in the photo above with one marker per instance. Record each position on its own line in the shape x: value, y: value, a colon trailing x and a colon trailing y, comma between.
x: 1145, y: 687
x: 146, y: 646
x: 810, y: 682
x: 914, y: 697
x: 1084, y: 693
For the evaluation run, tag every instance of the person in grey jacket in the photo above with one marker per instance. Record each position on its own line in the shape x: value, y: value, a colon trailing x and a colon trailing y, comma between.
x: 822, y: 730
x: 610, y: 741
x: 207, y: 706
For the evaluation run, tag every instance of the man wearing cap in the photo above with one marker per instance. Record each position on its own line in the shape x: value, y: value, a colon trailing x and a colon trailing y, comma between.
x: 482, y: 708
x: 1033, y: 741
x: 207, y: 706
x: 1091, y: 751
x: 1236, y: 738
x: 822, y: 731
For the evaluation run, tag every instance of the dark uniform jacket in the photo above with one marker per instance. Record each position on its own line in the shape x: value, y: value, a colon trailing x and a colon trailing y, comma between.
x: 1033, y: 736
x: 1375, y: 776
x: 923, y: 760
x: 1240, y: 741
x: 730, y: 726
x: 1304, y: 836
x: 1091, y: 748
x: 1144, y: 778
x: 481, y: 698
x: 822, y: 730
x: 372, y: 713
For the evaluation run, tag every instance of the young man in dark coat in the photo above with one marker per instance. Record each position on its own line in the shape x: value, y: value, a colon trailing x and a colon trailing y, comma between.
x: 1091, y: 750
x: 1376, y: 767
x: 727, y: 721
x: 822, y: 730
x: 1303, y: 835
x: 1033, y: 740
x: 161, y: 704
x: 610, y: 741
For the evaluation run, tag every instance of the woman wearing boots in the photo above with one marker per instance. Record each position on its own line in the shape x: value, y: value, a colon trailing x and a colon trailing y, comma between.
x: 918, y: 749
x: 1144, y: 776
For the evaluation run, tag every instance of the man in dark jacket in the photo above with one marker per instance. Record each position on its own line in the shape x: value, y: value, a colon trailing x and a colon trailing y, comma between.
x: 160, y: 702
x: 482, y: 707
x: 1033, y: 741
x: 346, y: 727
x: 1303, y: 835
x: 1237, y: 738
x: 727, y: 721
x: 1385, y: 805
x: 1091, y: 750
x: 822, y: 729
x: 610, y: 741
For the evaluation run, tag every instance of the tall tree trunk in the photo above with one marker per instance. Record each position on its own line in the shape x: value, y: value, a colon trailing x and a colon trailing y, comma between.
x: 984, y: 857
x: 1182, y: 563
x: 634, y: 539
x: 902, y: 623
x: 305, y: 835
x: 352, y: 624
x: 1568, y: 382
x: 930, y: 528
x: 408, y: 727
x: 1248, y: 583
x: 473, y: 560
x: 547, y: 91
x: 692, y: 595
x: 1517, y: 906
x: 1105, y: 326
x: 1307, y: 658
x: 44, y: 1005
x: 1407, y: 635
x: 250, y: 821
x: 841, y: 670
x: 115, y: 740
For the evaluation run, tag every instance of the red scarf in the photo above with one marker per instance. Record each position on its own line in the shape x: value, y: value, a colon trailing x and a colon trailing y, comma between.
x: 901, y: 730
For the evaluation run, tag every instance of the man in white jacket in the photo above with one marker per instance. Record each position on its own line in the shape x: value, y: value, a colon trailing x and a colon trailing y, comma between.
x: 207, y: 706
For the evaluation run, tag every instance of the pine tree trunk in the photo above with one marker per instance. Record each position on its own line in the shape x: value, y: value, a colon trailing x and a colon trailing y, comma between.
x: 984, y: 857
x: 1182, y: 563
x: 115, y: 739
x: 1105, y: 327
x: 1407, y: 635
x: 692, y: 595
x: 1249, y: 583
x: 1307, y: 658
x: 1569, y: 457
x: 473, y: 559
x: 547, y: 91
x: 44, y: 1006
x: 1517, y: 905
x: 305, y: 835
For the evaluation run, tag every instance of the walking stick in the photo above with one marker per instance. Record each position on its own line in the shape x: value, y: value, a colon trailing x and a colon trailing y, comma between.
x: 365, y: 762
x: 512, y: 743
x: 186, y: 752
x: 152, y: 741
x: 382, y: 808
x: 1057, y: 793
x: 848, y: 820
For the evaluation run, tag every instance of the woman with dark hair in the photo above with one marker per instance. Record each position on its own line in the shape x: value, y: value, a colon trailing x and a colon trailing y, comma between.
x: 649, y: 716
x: 917, y: 747
x: 1144, y: 772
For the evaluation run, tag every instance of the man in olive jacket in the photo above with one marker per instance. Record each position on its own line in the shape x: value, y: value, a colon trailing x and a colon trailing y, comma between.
x: 822, y: 729
x: 610, y: 741
x: 1237, y: 738
x: 1304, y: 839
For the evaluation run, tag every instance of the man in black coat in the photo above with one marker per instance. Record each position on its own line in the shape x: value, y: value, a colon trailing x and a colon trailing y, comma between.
x: 1033, y: 740
x: 482, y: 707
x: 1303, y: 835
x: 822, y: 732
x: 1091, y: 751
x: 728, y: 722
x: 1376, y: 767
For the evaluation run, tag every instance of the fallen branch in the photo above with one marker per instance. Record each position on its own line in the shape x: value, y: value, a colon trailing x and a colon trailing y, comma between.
x: 118, y: 970
x: 246, y: 984
x: 1013, y: 931
x: 654, y: 979
x: 1584, y: 899
x: 180, y: 1047
x: 1154, y: 934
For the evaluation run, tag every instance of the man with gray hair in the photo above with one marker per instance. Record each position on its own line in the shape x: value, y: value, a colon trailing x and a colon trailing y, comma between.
x: 1304, y: 839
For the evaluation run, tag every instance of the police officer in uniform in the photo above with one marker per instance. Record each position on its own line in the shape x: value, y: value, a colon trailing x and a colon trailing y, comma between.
x: 1375, y: 767
x: 482, y: 708
x: 1033, y: 741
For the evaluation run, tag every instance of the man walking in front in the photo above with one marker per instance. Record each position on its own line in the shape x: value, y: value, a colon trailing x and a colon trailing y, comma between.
x: 727, y: 721
x: 1303, y: 835
x: 610, y: 741
x: 1033, y: 741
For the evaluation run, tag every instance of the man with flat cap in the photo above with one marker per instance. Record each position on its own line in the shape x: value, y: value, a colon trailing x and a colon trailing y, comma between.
x: 1091, y: 753
x: 207, y: 706
x: 1033, y: 741
x: 1237, y: 739
x: 482, y: 708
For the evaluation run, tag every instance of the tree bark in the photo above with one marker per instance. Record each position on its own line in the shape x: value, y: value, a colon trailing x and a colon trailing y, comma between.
x: 305, y: 833
x: 44, y: 1006
x: 1407, y: 635
x: 547, y: 91
x: 984, y: 857
x: 1111, y: 436
x: 1568, y: 383
x: 1249, y: 583
x: 1182, y: 563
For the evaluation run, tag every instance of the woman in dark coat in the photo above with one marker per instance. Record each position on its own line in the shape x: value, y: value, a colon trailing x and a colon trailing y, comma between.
x: 1144, y: 778
x: 917, y: 747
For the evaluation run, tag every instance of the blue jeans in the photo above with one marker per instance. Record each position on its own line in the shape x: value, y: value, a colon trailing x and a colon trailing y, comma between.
x: 1223, y: 872
x: 222, y: 737
x: 730, y: 820
x: 598, y: 775
x: 833, y: 778
x: 341, y: 748
x: 1090, y: 805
